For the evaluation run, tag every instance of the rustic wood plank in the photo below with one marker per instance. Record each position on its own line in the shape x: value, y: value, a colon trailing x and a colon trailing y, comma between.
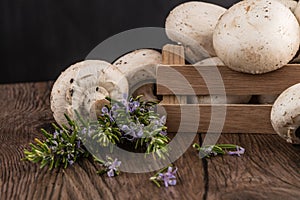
x: 235, y: 83
x: 137, y: 186
x: 269, y: 169
x: 239, y: 118
x: 173, y: 54
x: 25, y: 108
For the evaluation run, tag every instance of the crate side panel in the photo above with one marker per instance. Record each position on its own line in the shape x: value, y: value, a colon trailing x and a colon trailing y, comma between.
x: 239, y: 118
x: 170, y: 80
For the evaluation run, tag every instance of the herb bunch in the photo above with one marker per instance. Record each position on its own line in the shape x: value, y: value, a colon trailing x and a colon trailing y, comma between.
x: 62, y: 148
x: 133, y: 121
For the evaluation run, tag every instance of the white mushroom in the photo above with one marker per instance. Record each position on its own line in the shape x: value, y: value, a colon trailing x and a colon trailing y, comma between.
x: 83, y: 87
x: 266, y: 98
x: 139, y: 68
x: 285, y: 114
x: 217, y: 99
x: 192, y: 24
x: 297, y: 11
x: 291, y: 4
x: 256, y: 36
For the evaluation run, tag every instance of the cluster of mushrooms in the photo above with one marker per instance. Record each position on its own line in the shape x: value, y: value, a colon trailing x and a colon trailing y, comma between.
x: 252, y: 36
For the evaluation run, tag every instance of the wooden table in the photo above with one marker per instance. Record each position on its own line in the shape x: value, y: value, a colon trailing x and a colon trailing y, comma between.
x: 268, y: 170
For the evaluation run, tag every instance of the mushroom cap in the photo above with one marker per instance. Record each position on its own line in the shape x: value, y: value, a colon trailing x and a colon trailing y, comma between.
x: 217, y: 99
x: 291, y: 4
x: 285, y: 114
x: 139, y: 68
x: 83, y: 85
x: 256, y: 36
x: 192, y: 24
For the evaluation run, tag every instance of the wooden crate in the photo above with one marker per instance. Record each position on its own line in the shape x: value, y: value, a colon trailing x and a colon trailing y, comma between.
x: 240, y: 118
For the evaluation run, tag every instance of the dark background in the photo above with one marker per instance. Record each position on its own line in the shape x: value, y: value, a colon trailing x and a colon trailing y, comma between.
x: 40, y: 38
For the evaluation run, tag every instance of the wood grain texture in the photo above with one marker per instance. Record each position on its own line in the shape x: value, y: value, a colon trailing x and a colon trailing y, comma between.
x: 173, y: 54
x: 25, y: 109
x: 239, y: 118
x: 236, y: 83
x: 269, y: 169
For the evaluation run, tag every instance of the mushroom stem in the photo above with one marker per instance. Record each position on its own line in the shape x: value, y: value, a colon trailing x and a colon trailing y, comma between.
x: 290, y: 134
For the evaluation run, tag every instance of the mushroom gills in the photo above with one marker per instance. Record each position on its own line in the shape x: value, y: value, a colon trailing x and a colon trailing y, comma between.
x: 285, y: 114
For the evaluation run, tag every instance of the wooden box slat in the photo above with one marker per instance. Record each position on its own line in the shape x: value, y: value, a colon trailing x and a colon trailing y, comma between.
x: 176, y: 82
x: 239, y: 118
x: 236, y: 83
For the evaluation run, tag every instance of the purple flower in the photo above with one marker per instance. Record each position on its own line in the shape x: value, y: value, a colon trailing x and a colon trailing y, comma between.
x: 84, y: 131
x: 78, y: 144
x: 163, y: 120
x: 55, y: 143
x: 168, y: 177
x: 70, y: 160
x: 104, y: 110
x: 112, y: 167
x: 238, y: 152
x: 133, y: 131
x: 115, y: 107
x: 132, y: 106
x: 110, y: 113
x: 164, y: 133
x: 140, y: 132
x: 55, y: 134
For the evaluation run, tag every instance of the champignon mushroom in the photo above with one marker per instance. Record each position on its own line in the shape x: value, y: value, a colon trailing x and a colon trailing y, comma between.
x: 297, y: 11
x: 192, y: 24
x: 285, y: 114
x: 217, y: 99
x: 291, y: 4
x: 139, y: 68
x: 266, y: 98
x: 256, y: 36
x: 83, y: 87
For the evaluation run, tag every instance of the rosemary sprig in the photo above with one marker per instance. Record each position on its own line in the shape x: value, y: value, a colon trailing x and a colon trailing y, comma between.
x: 110, y: 166
x: 131, y: 121
x: 219, y: 149
x: 62, y: 148
x: 134, y: 121
x: 166, y: 175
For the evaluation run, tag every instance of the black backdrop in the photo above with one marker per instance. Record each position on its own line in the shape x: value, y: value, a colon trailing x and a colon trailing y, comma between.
x: 40, y: 38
